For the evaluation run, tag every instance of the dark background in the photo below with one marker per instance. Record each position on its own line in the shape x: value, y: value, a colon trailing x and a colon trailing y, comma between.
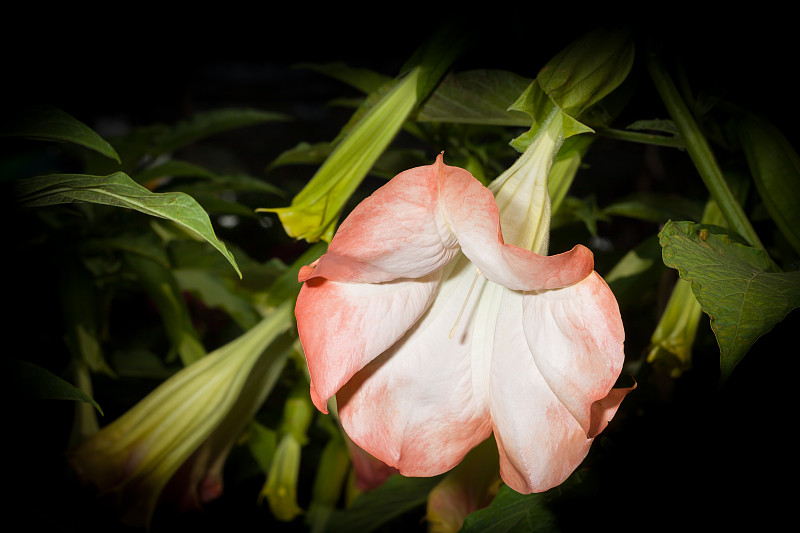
x: 679, y: 452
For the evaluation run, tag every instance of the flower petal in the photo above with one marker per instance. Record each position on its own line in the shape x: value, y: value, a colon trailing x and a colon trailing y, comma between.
x: 539, y: 441
x: 343, y: 326
x: 576, y: 337
x: 471, y: 214
x: 397, y: 232
x: 415, y: 407
x: 370, y: 473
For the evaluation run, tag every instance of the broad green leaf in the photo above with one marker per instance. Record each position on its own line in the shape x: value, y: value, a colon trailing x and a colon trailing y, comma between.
x: 477, y: 97
x: 738, y: 286
x: 511, y: 512
x: 120, y: 190
x: 52, y: 124
x: 372, y: 509
x: 775, y: 166
x: 35, y: 382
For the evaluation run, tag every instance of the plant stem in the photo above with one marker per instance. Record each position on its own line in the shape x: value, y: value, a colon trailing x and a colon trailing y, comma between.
x: 638, y: 137
x: 701, y: 154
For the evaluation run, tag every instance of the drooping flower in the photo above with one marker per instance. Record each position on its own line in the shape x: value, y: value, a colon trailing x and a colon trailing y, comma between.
x: 172, y: 444
x: 434, y: 333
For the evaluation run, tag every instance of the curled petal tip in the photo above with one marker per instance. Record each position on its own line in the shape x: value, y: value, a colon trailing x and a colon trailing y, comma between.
x: 604, y: 410
x: 306, y: 272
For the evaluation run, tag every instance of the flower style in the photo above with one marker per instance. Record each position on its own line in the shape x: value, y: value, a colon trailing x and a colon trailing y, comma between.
x: 434, y: 333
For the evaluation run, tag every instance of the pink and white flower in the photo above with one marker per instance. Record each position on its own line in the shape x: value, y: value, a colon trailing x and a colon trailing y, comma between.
x: 433, y: 333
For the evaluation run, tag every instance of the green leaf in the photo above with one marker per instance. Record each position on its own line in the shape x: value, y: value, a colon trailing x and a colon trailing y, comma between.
x: 775, y: 166
x: 286, y: 286
x: 215, y: 292
x: 511, y: 512
x: 636, y: 274
x: 377, y: 507
x: 120, y: 190
x: 52, y: 124
x: 36, y: 382
x: 587, y: 70
x: 160, y: 284
x: 365, y: 80
x: 202, y: 125
x: 477, y: 97
x: 173, y: 168
x: 738, y: 286
x: 656, y: 208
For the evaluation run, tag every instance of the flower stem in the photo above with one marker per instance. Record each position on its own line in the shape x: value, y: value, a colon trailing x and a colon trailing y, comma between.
x: 701, y: 154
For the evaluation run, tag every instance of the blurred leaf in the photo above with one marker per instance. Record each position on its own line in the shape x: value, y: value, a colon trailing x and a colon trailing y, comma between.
x: 365, y: 80
x: 262, y: 443
x: 656, y: 208
x: 574, y: 209
x: 636, y: 274
x: 82, y: 321
x: 214, y: 292
x: 738, y: 286
x: 377, y: 507
x: 775, y: 166
x: 477, y: 97
x: 162, y: 287
x: 120, y: 190
x: 303, y: 153
x: 169, y: 169
x: 332, y: 470
x: 511, y: 512
x: 35, y: 382
x: 52, y: 124
x: 286, y: 286
x: 659, y: 125
x: 202, y: 125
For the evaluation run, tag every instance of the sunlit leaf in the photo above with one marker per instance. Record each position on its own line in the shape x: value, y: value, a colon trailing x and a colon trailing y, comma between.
x: 738, y: 286
x: 120, y: 190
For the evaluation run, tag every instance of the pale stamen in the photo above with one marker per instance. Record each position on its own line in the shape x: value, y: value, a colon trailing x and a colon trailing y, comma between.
x: 464, y: 305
